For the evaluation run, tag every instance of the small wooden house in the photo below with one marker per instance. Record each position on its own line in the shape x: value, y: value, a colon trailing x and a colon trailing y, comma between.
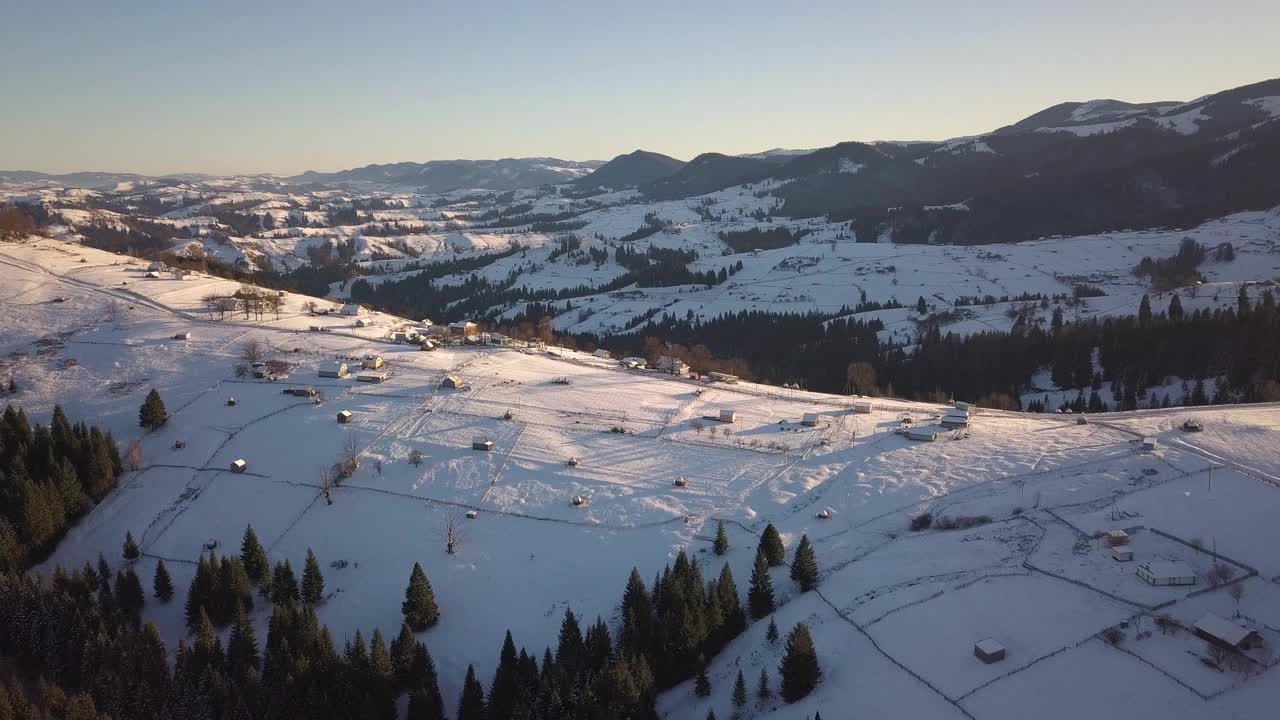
x: 472, y: 514
x: 988, y: 651
x: 1115, y: 537
x: 679, y: 482
x: 182, y: 336
x: 372, y: 377
x: 728, y: 416
x: 481, y: 442
x: 344, y: 417
x: 862, y: 406
x: 1167, y: 572
x: 363, y: 322
x: 922, y: 435
x: 1150, y: 444
x: 453, y: 382
x: 1124, y: 553
x: 373, y: 362
x: 239, y: 465
x: 810, y: 419
x: 955, y: 418
x: 231, y: 402
x: 334, y: 370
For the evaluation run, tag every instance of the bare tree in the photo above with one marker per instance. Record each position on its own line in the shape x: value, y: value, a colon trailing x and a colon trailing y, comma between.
x: 310, y: 307
x: 328, y: 480
x: 113, y: 311
x: 348, y: 459
x: 1237, y: 593
x: 133, y: 455
x: 1220, y: 574
x: 415, y: 457
x: 273, y: 304
x: 451, y: 530
x: 252, y: 351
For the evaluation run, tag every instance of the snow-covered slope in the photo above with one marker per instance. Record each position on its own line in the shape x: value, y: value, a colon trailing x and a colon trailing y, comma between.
x: 895, y: 616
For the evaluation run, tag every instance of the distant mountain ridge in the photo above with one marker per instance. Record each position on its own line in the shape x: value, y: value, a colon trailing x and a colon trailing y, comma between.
x: 633, y: 169
x: 446, y: 175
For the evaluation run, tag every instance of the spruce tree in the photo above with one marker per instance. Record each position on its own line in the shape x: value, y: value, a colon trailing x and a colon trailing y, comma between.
x: 1144, y: 311
x: 419, y: 607
x: 312, y: 581
x: 471, y: 702
x: 130, y: 547
x: 402, y: 649
x: 422, y: 706
x: 702, y: 683
x: 129, y: 595
x: 721, y: 545
x: 1175, y: 308
x: 242, y: 647
x: 771, y: 634
x: 762, y: 686
x: 760, y: 593
x: 799, y: 669
x: 152, y: 414
x: 711, y: 714
x: 739, y: 692
x: 804, y: 569
x: 427, y: 682
x: 502, y: 691
x: 570, y: 649
x: 163, y: 584
x: 284, y: 586
x: 254, y: 557
x: 198, y: 593
x: 771, y: 542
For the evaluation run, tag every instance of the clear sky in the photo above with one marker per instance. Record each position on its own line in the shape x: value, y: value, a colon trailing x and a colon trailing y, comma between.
x: 226, y: 86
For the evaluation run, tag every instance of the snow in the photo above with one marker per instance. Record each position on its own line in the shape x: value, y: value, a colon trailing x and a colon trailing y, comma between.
x: 1269, y: 104
x: 899, y: 611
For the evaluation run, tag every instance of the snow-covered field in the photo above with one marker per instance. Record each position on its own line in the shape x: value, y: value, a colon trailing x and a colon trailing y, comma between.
x: 897, y: 612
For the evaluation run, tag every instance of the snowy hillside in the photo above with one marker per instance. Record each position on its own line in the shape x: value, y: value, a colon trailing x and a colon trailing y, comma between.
x: 897, y: 612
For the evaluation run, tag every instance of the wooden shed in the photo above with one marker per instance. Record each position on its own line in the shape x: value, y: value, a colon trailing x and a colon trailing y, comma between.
x: 988, y: 651
x: 728, y: 416
x: 954, y: 418
x: 862, y: 406
x: 1150, y: 444
x: 1226, y: 634
x: 480, y: 442
x: 334, y: 370
x: 452, y: 381
x: 922, y: 435
x: 239, y: 465
x: 810, y: 419
x: 1124, y: 553
x: 182, y: 336
x: 372, y: 377
x: 344, y: 417
x: 373, y: 362
x: 1115, y: 537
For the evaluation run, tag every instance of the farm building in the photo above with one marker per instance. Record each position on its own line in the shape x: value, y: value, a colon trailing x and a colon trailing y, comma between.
x: 922, y: 435
x: 633, y: 363
x: 723, y: 377
x: 480, y: 442
x: 1124, y: 553
x: 344, y: 416
x: 372, y: 377
x: 334, y: 370
x: 954, y: 418
x: 152, y: 275
x: 452, y: 381
x: 182, y: 336
x: 1115, y: 537
x: 967, y: 408
x: 810, y: 419
x: 1226, y: 634
x: 364, y: 322
x: 239, y: 466
x: 373, y: 362
x: 1149, y: 444
x: 601, y: 353
x: 155, y: 267
x: 302, y: 392
x: 463, y: 328
x: 728, y: 416
x: 1167, y: 572
x: 353, y: 309
x: 862, y: 406
x: 988, y: 651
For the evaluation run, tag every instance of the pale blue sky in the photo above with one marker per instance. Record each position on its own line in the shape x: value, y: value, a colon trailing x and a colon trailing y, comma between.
x: 230, y: 86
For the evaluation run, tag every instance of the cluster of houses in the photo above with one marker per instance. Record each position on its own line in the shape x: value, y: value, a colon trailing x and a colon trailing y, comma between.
x: 371, y: 367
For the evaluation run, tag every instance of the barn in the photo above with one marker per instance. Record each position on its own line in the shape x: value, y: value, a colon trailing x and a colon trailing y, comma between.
x: 452, y: 381
x: 810, y: 419
x: 344, y: 417
x: 862, y: 406
x: 239, y: 465
x: 1226, y: 634
x: 728, y: 416
x: 353, y: 309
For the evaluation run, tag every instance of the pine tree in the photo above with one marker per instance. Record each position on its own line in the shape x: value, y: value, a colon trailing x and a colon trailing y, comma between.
x: 799, y: 669
x: 760, y: 593
x: 130, y: 547
x: 163, y: 584
x: 242, y: 647
x: 284, y: 586
x: 402, y: 649
x: 198, y: 593
x: 804, y: 569
x: 1144, y: 311
x: 312, y: 581
x: 711, y: 714
x: 771, y: 542
x: 772, y: 633
x: 762, y: 686
x: 152, y: 414
x: 702, y: 683
x: 502, y: 691
x: 129, y: 596
x: 419, y: 607
x: 739, y: 691
x: 1175, y: 308
x: 423, y: 707
x: 427, y: 681
x: 721, y: 545
x: 570, y: 649
x: 471, y: 702
x: 254, y: 557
